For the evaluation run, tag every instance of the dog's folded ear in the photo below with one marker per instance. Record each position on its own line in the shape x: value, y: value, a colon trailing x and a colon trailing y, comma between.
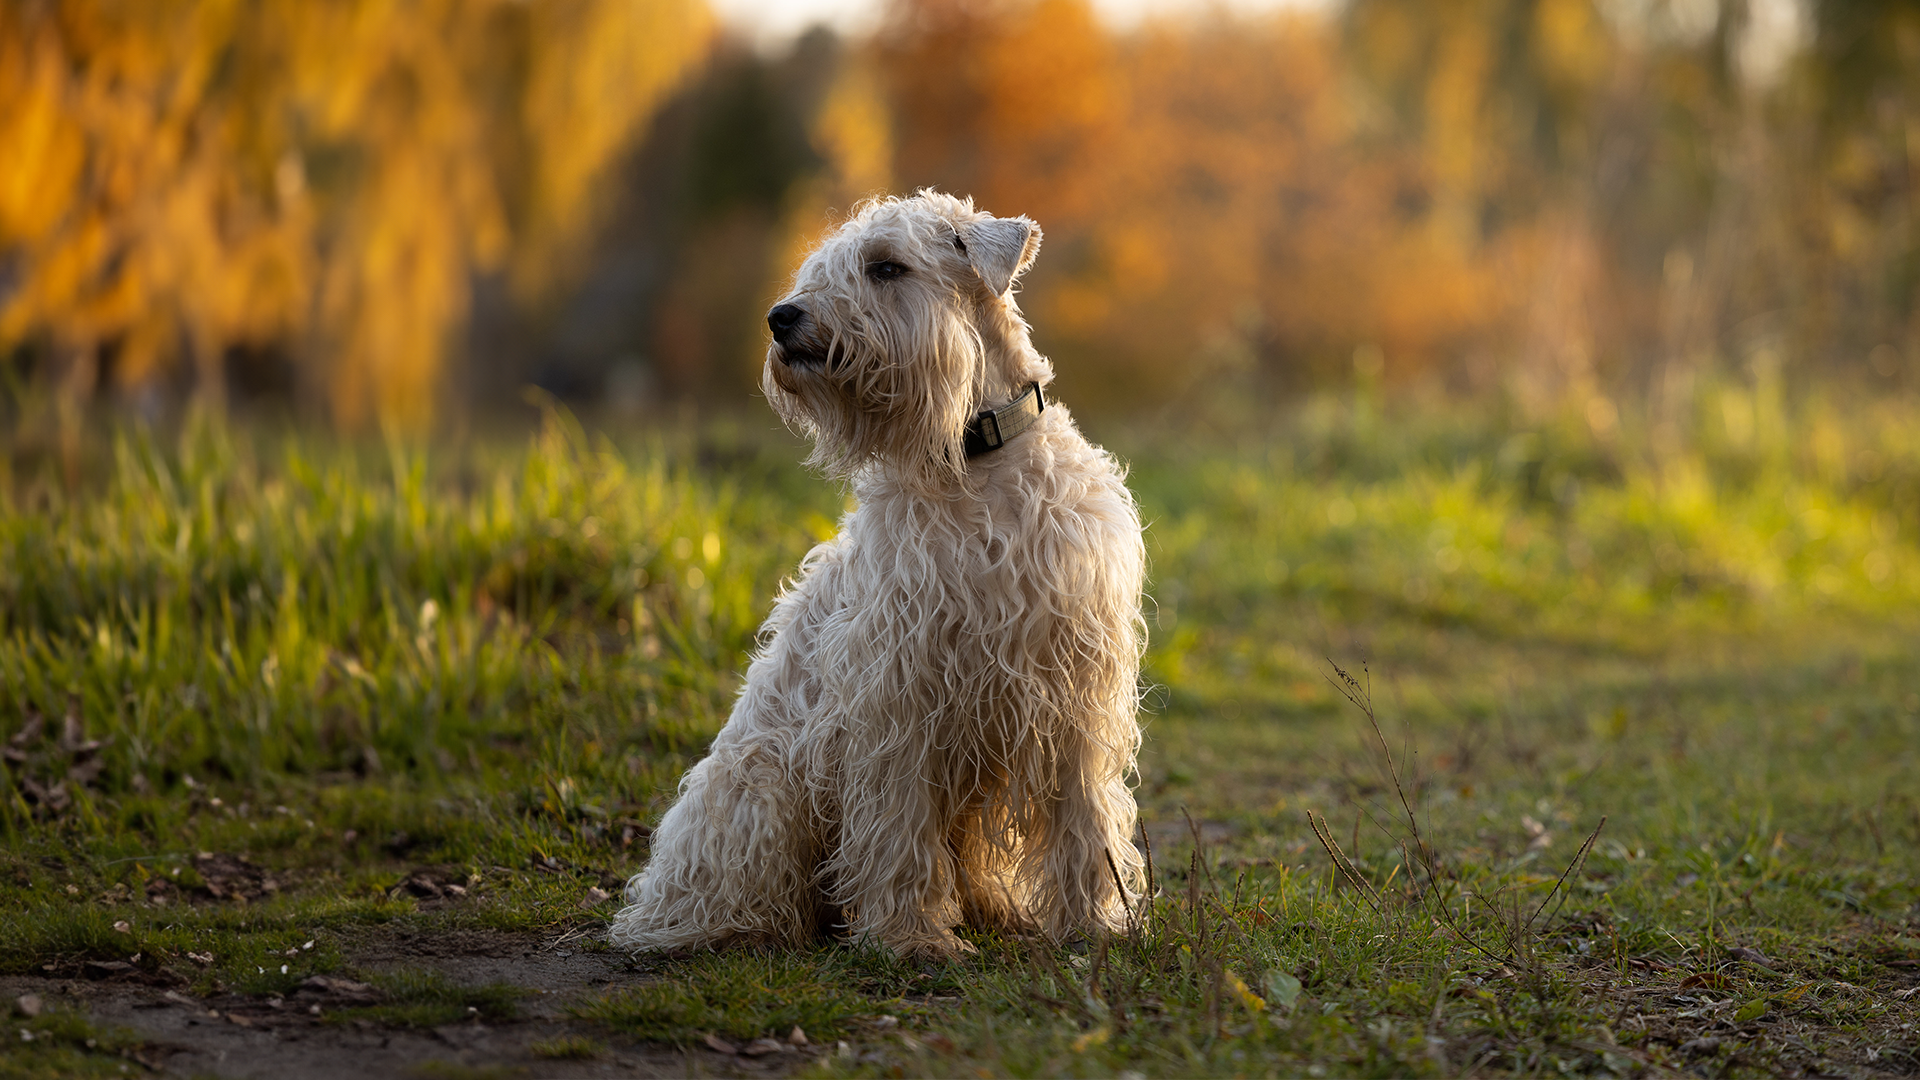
x: 1000, y: 249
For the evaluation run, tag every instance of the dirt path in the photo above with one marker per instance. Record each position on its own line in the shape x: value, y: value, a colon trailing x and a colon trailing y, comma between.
x: 229, y: 1035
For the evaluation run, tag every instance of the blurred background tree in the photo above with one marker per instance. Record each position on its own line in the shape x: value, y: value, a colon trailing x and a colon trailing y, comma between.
x: 1574, y: 203
x: 301, y: 195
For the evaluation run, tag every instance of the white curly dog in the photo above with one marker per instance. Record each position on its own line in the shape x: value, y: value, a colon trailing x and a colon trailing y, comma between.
x: 939, y: 724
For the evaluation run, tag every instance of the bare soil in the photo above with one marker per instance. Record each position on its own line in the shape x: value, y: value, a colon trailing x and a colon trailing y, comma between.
x: 230, y: 1035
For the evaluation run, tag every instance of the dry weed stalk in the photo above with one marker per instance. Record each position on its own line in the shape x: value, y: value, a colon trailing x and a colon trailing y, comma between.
x: 1191, y: 944
x: 1433, y: 898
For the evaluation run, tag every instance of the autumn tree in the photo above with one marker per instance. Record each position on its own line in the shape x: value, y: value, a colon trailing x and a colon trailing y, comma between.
x: 324, y: 179
x: 1210, y: 198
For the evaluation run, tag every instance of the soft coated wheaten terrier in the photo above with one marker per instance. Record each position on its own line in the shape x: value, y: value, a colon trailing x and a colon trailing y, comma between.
x: 939, y: 723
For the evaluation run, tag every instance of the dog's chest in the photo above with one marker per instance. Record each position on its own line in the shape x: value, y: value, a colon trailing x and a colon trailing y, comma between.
x: 962, y: 593
x: 962, y: 559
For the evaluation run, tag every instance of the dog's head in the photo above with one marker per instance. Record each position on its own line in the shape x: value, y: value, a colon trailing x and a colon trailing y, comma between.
x: 899, y: 329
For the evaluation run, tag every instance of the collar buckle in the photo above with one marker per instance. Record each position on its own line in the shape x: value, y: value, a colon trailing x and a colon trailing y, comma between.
x: 991, y: 429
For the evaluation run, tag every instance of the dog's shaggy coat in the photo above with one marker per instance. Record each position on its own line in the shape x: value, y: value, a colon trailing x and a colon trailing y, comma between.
x: 940, y: 721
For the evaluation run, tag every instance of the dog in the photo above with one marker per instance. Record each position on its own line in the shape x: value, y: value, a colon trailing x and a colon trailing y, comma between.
x: 939, y: 724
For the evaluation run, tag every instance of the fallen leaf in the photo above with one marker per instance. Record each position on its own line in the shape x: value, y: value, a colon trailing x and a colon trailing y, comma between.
x: 431, y: 883
x: 1752, y: 1010
x: 1092, y: 1038
x: 1751, y: 956
x: 122, y: 926
x: 240, y: 1020
x: 941, y: 1043
x: 720, y: 1045
x: 762, y: 1047
x: 1249, y: 1000
x: 54, y: 798
x: 595, y: 897
x: 1282, y: 989
x: 1541, y: 837
x: 29, y: 1005
x: 338, y: 991
x: 230, y: 877
x: 1710, y: 979
x: 29, y: 731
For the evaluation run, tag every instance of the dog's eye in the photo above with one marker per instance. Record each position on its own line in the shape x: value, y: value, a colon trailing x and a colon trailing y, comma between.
x: 885, y: 271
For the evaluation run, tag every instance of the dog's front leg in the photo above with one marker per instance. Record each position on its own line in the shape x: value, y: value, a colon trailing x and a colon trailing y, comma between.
x: 1091, y: 876
x: 894, y: 873
x: 734, y: 858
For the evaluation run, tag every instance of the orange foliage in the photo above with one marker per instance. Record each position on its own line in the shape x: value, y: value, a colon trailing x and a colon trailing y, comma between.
x: 1205, y: 188
x: 1018, y: 103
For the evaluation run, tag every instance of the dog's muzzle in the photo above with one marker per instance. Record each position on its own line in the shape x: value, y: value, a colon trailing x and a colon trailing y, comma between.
x: 789, y: 324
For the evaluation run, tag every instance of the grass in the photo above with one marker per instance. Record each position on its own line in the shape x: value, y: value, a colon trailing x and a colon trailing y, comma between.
x: 63, y: 1042
x: 484, y: 666
x: 567, y: 1048
x: 417, y: 998
x: 741, y: 996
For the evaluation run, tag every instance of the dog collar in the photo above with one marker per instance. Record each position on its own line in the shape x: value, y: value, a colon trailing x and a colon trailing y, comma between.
x: 993, y: 427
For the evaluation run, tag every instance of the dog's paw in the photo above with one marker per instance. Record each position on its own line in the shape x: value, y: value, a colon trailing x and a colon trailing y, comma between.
x: 938, y: 950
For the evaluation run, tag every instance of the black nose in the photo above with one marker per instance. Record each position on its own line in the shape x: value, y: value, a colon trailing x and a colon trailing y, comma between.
x: 781, y: 320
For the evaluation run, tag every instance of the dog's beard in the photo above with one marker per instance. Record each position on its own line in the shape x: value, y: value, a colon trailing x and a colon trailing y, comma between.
x: 862, y: 410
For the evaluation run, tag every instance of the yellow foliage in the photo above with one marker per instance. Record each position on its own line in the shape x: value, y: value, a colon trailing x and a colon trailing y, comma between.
x: 321, y: 177
x: 854, y: 138
x: 1248, y: 1000
x: 852, y: 134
